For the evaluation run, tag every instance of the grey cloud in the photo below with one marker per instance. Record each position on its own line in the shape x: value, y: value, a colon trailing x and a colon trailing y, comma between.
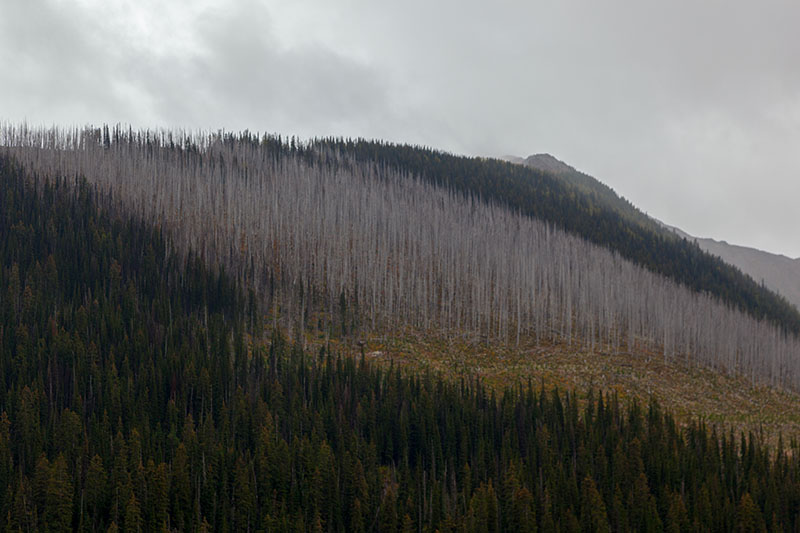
x: 238, y: 76
x: 53, y: 65
x: 690, y: 109
x: 241, y: 77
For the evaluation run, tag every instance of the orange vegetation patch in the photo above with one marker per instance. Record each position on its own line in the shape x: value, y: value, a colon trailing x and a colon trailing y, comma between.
x: 688, y: 391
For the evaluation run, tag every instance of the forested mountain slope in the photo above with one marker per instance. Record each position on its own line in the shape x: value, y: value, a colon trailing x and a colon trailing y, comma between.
x: 777, y: 272
x: 598, y: 190
x: 317, y: 232
x: 587, y: 210
x: 140, y: 394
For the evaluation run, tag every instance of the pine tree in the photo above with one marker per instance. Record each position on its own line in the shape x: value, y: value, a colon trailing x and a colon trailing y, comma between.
x: 160, y: 495
x: 95, y: 491
x: 58, y: 496
x: 748, y: 516
x: 593, y: 509
x: 677, y: 516
x: 524, y: 510
x: 133, y: 516
x: 23, y: 512
x: 408, y: 524
x: 6, y: 457
x: 181, y: 489
x: 642, y: 506
x: 244, y: 501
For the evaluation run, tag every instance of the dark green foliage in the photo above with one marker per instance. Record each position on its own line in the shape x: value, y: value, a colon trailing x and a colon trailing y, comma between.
x: 134, y: 400
x: 748, y: 516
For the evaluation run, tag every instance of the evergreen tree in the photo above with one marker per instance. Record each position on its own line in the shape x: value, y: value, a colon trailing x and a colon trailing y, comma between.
x: 593, y: 510
x: 133, y: 516
x: 748, y: 516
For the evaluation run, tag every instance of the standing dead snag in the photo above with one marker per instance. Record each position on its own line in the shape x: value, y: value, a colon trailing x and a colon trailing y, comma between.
x: 387, y: 249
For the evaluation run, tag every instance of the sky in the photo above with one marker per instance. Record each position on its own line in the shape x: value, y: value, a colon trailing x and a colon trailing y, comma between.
x: 691, y: 110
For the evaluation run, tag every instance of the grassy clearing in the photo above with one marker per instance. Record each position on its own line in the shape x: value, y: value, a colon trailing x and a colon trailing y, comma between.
x: 688, y: 391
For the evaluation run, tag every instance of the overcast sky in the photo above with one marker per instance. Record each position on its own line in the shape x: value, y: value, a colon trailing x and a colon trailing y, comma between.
x: 689, y: 109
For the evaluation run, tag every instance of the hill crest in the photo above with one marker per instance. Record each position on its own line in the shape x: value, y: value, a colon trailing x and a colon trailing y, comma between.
x: 778, y: 273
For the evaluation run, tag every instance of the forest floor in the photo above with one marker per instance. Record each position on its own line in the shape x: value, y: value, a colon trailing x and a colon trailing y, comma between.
x: 688, y: 391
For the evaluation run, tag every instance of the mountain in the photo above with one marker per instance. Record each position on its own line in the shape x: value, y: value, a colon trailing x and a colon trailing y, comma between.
x: 589, y: 186
x: 142, y: 392
x: 340, y: 237
x: 599, y: 217
x: 777, y: 272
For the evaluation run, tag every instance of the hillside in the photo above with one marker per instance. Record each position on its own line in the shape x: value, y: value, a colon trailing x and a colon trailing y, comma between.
x: 777, y: 272
x: 591, y: 211
x: 314, y: 231
x: 590, y: 186
x: 688, y: 392
x: 142, y: 393
x: 541, y: 195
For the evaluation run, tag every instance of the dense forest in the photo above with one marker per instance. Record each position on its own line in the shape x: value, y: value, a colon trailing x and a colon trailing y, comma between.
x: 594, y: 215
x: 314, y: 232
x: 141, y: 392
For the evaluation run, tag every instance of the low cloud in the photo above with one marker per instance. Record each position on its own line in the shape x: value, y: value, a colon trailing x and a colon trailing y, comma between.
x: 691, y: 110
x: 74, y: 65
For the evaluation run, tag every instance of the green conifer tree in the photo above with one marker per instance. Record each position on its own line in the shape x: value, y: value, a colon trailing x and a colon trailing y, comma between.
x: 748, y: 516
x: 593, y: 510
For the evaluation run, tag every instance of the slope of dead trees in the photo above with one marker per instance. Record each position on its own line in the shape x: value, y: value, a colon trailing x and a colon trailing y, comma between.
x: 312, y: 230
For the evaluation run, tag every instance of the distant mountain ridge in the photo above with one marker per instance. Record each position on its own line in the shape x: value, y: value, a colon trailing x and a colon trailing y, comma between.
x: 587, y: 184
x: 778, y: 273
